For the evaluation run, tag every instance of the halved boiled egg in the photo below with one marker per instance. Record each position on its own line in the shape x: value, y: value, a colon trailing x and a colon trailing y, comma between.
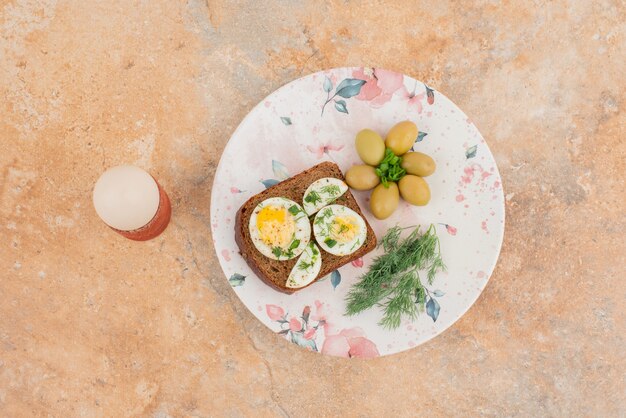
x: 339, y: 230
x: 321, y: 193
x: 307, y: 267
x: 280, y: 228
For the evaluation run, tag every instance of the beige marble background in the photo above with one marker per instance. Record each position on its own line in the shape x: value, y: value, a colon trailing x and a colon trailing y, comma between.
x: 92, y: 324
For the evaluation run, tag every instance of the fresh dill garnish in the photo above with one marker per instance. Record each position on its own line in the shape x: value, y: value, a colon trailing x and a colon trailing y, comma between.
x: 321, y: 217
x: 343, y: 228
x: 393, y: 280
x: 277, y: 251
x: 326, y: 229
x: 294, y: 210
x: 303, y: 265
x: 330, y: 242
x: 391, y: 239
x: 331, y: 190
x: 321, y: 221
x: 294, y: 244
x: 313, y: 197
x: 314, y: 253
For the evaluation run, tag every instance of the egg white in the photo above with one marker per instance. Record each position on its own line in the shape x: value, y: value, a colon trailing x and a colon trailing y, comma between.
x: 322, y: 230
x: 321, y: 193
x: 307, y: 267
x: 300, y: 238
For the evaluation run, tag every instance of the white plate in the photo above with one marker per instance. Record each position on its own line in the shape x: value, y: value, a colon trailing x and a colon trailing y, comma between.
x: 287, y: 133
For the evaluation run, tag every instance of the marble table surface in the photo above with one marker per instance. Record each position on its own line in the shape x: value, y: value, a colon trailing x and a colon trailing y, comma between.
x: 92, y: 324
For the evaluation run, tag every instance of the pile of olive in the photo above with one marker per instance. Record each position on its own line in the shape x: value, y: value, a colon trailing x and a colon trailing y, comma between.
x: 412, y: 167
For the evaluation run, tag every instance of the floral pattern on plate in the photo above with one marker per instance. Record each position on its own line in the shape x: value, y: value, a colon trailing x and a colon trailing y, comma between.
x: 316, y: 118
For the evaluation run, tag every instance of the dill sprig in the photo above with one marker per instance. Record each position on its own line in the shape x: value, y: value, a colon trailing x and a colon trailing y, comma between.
x: 313, y: 197
x: 331, y: 190
x: 393, y: 280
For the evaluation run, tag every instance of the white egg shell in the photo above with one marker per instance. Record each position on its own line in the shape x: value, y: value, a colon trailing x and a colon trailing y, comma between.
x: 307, y: 267
x: 302, y: 232
x: 126, y: 197
x: 322, y: 193
x: 321, y: 230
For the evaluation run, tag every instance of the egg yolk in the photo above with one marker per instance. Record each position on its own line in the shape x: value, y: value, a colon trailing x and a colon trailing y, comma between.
x: 276, y: 226
x: 344, y: 229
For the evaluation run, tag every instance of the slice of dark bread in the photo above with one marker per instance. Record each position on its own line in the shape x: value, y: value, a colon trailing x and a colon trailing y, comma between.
x: 274, y: 272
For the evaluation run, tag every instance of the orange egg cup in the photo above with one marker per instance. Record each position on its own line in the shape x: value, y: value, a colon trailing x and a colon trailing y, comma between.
x: 157, y: 224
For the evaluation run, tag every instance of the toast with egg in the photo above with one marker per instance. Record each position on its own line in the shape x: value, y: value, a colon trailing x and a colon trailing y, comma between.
x: 276, y: 272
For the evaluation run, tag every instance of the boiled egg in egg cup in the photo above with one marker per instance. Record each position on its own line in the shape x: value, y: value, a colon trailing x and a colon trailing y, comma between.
x: 132, y: 203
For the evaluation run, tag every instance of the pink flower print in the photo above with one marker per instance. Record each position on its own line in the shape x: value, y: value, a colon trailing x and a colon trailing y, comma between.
x: 235, y: 190
x: 352, y: 332
x: 324, y: 149
x: 350, y: 342
x: 295, y: 325
x: 450, y: 229
x: 414, y: 100
x: 380, y: 85
x: 309, y: 334
x: 226, y: 254
x: 389, y: 81
x: 469, y: 175
x: 319, y: 312
x: 361, y: 347
x: 274, y: 312
x: 370, y: 89
x: 321, y: 316
x: 336, y: 345
x: 358, y: 262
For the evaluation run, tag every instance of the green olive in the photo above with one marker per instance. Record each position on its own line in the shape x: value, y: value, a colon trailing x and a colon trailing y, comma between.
x: 418, y: 163
x: 414, y: 190
x: 362, y: 177
x: 384, y: 200
x: 401, y: 137
x: 370, y: 147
